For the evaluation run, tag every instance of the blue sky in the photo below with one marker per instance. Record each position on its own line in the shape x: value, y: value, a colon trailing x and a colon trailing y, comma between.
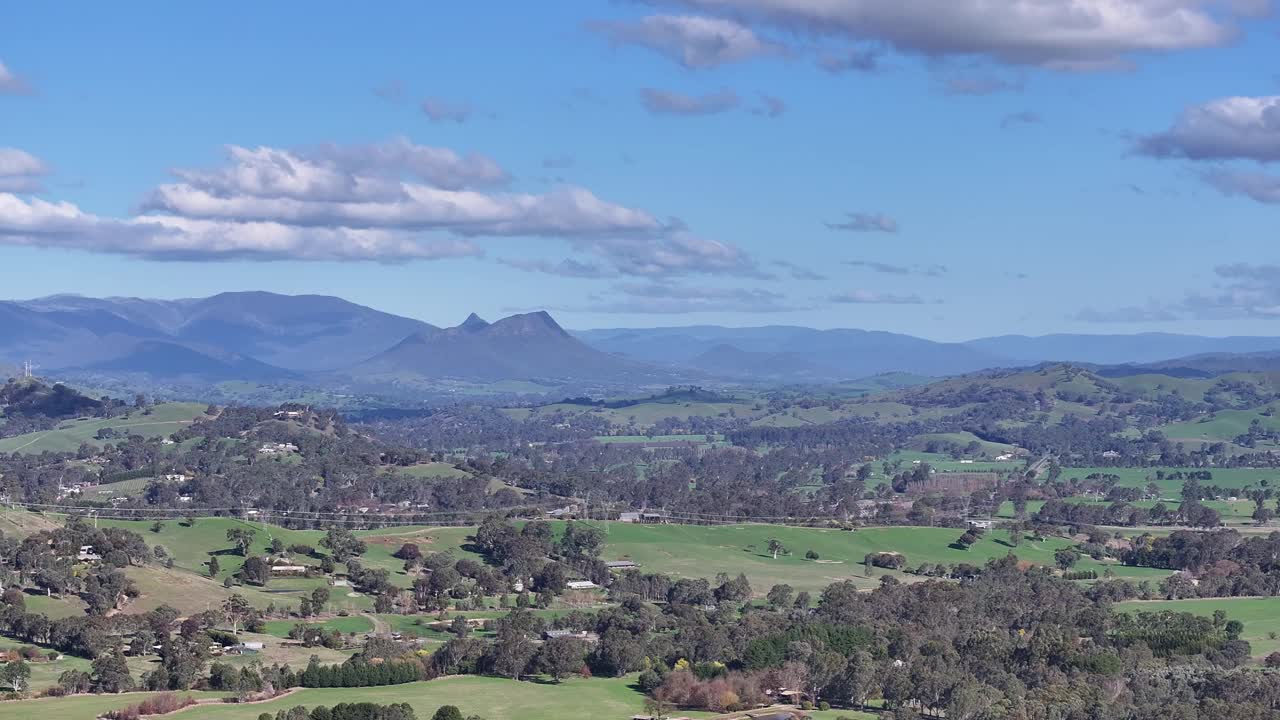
x: 1059, y: 165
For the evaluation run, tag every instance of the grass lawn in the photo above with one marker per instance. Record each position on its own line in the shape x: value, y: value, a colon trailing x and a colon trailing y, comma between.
x: 164, y: 420
x: 1261, y: 616
x: 491, y: 698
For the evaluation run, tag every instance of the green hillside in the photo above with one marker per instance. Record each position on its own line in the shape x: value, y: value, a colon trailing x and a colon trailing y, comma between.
x: 162, y: 420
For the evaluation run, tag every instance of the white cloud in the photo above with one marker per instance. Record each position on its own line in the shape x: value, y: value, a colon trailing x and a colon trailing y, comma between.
x: 360, y: 187
x: 390, y: 202
x: 1233, y: 128
x: 1059, y: 34
x: 21, y: 172
x: 692, y: 41
x: 673, y: 298
x: 37, y: 223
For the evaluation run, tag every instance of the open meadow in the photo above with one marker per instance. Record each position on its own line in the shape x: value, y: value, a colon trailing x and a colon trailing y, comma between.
x: 1261, y: 616
x: 68, y: 436
x: 491, y: 698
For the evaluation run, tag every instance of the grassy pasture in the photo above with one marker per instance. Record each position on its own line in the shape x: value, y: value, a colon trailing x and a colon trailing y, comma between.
x: 1237, y: 478
x: 433, y: 470
x: 492, y: 698
x: 164, y: 419
x: 1261, y: 616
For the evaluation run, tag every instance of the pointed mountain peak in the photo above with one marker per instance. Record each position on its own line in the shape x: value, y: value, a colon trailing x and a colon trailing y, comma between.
x: 474, y: 322
x: 534, y: 323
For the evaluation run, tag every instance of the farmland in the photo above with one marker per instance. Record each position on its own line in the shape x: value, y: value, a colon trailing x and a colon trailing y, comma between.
x: 492, y: 698
x: 161, y: 420
x: 1261, y: 616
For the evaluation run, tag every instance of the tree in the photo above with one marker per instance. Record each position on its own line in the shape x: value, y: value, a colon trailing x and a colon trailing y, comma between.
x: 256, y: 570
x: 409, y: 551
x: 157, y: 526
x: 561, y: 656
x: 342, y: 543
x: 448, y: 712
x: 780, y: 595
x: 236, y: 609
x: 214, y: 567
x: 1065, y: 558
x: 776, y: 547
x: 111, y: 674
x: 243, y: 539
x: 15, y: 675
x: 967, y: 540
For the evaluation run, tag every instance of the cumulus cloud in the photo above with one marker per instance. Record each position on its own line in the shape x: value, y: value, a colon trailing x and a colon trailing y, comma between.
x: 358, y: 187
x: 665, y: 102
x: 21, y: 172
x: 1258, y: 186
x: 798, y: 272
x: 1234, y: 128
x: 693, y: 41
x: 568, y: 267
x: 1025, y: 117
x: 441, y: 110
x: 866, y: 222
x: 1077, y: 35
x: 873, y: 297
x: 11, y: 84
x: 889, y: 269
x: 37, y: 223
x: 391, y: 202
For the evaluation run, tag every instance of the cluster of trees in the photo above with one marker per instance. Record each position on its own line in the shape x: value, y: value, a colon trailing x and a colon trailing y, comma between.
x: 50, y: 561
x: 347, y: 711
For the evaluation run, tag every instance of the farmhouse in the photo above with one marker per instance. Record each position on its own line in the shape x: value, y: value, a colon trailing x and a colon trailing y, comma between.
x: 288, y: 570
x: 87, y: 554
x: 583, y: 635
x: 622, y: 564
x: 581, y: 585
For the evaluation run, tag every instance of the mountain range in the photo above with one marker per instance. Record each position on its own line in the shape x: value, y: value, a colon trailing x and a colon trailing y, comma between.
x: 266, y: 337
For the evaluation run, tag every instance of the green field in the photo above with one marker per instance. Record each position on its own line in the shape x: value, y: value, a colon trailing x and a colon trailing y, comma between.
x: 678, y: 550
x: 491, y: 698
x: 702, y: 551
x: 1222, y: 425
x: 1238, y: 512
x: 433, y: 470
x: 1237, y: 478
x: 1261, y: 616
x: 163, y: 420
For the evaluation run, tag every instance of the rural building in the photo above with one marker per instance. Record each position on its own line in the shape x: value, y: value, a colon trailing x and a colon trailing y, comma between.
x: 581, y: 585
x: 87, y: 554
x: 629, y: 517
x: 288, y: 569
x: 583, y: 635
x: 622, y: 564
